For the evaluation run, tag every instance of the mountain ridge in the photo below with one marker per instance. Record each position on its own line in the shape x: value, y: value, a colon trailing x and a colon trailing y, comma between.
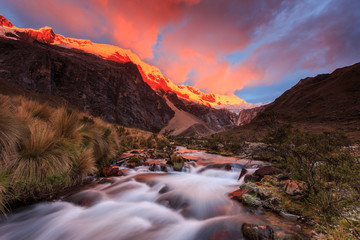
x: 151, y: 74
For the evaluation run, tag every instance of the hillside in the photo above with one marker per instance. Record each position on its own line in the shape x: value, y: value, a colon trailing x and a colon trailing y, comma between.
x: 327, y: 102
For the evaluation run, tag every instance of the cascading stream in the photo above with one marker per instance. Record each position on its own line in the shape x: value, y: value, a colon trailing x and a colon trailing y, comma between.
x: 193, y: 204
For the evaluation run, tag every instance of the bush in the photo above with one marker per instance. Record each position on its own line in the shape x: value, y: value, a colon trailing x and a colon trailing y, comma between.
x: 331, y: 173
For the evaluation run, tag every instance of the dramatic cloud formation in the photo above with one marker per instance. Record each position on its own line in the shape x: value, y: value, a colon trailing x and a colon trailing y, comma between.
x: 218, y: 46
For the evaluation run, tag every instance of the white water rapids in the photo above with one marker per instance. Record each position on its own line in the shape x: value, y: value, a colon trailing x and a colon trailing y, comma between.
x: 143, y: 205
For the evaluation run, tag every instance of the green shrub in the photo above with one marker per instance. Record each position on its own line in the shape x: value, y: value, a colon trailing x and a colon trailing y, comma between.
x: 320, y: 160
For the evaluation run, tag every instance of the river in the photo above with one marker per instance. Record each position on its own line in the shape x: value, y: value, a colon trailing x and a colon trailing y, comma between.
x: 192, y: 204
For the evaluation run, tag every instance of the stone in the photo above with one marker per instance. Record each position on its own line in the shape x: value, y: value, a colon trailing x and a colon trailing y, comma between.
x: 228, y: 167
x: 264, y: 193
x: 251, y: 200
x: 267, y: 170
x: 289, y: 216
x: 251, y: 178
x: 106, y: 180
x: 242, y: 173
x: 237, y: 195
x: 254, y: 189
x: 294, y: 187
x: 257, y: 232
x: 109, y: 171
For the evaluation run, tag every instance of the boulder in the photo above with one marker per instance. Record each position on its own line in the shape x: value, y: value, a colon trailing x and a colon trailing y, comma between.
x: 257, y: 232
x: 267, y: 170
x: 228, y: 167
x: 242, y: 173
x: 251, y: 200
x: 109, y: 171
x: 294, y: 187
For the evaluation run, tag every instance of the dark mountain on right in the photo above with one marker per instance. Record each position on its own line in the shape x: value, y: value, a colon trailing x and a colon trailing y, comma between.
x: 325, y: 98
x: 327, y: 102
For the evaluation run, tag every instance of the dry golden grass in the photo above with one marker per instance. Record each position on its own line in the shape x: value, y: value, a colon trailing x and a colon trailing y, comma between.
x: 40, y: 154
x: 83, y: 164
x: 45, y: 149
x: 12, y: 131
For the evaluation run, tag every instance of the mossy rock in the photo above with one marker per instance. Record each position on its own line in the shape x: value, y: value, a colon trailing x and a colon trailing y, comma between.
x: 253, y: 188
x: 176, y: 161
x: 251, y: 200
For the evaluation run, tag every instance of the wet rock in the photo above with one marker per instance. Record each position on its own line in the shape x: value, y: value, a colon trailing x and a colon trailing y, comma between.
x: 251, y: 178
x: 237, y: 195
x: 251, y: 200
x: 222, y: 235
x: 135, y: 152
x: 293, y: 187
x: 242, y: 173
x: 267, y: 170
x: 109, y: 171
x: 152, y: 167
x: 257, y: 232
x: 228, y: 167
x: 86, y: 198
x: 164, y: 168
x: 123, y: 172
x: 106, y: 180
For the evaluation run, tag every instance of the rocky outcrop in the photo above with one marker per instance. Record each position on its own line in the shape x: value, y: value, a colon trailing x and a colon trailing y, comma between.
x: 106, y: 89
x: 246, y: 115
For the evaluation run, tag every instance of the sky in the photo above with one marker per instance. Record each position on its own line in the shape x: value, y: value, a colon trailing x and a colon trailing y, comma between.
x: 255, y: 49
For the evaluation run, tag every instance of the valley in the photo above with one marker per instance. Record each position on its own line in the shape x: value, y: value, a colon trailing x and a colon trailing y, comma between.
x: 96, y: 143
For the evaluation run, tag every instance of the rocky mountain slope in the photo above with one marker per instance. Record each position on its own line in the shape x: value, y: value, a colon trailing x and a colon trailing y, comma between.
x: 327, y: 102
x: 107, y: 81
x: 325, y: 98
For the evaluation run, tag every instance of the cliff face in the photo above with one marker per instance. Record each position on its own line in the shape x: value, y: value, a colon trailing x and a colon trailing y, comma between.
x: 111, y: 90
x: 246, y: 115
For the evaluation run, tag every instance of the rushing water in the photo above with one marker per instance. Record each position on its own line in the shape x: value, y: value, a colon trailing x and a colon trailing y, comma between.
x: 193, y: 204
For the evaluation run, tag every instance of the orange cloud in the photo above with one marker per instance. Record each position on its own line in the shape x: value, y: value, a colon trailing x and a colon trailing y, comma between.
x: 190, y: 39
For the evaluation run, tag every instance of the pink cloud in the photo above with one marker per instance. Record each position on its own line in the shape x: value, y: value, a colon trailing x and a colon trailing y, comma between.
x: 197, y: 35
